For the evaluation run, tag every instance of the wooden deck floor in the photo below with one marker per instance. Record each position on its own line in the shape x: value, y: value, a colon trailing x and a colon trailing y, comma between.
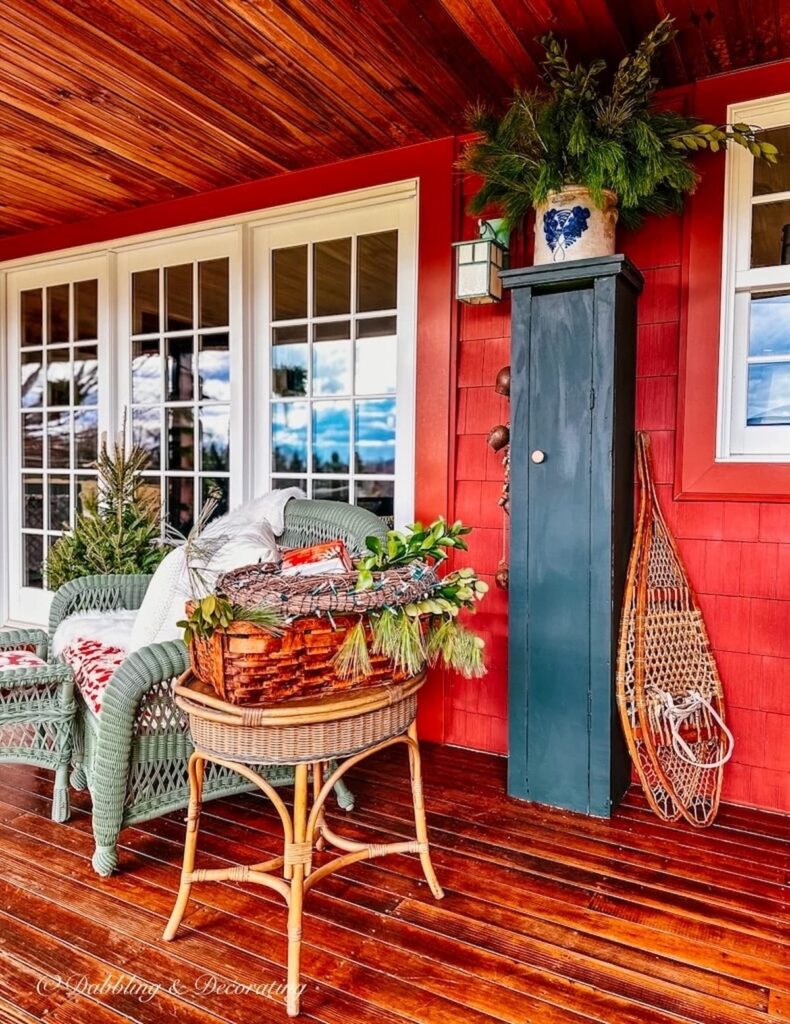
x: 549, y: 917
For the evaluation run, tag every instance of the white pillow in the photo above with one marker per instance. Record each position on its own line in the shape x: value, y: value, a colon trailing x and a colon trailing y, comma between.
x: 169, y: 590
x: 113, y: 628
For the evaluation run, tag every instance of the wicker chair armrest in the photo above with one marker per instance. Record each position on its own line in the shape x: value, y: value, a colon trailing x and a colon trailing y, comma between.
x: 24, y: 639
x: 55, y: 674
x: 99, y: 593
x: 137, y: 675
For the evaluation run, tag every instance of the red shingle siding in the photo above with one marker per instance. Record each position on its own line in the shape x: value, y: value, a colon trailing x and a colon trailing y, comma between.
x: 737, y: 553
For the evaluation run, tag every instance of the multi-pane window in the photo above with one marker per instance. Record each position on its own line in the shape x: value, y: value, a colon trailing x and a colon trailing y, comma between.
x: 253, y: 354
x: 334, y: 354
x: 754, y: 420
x: 180, y: 383
x: 58, y: 408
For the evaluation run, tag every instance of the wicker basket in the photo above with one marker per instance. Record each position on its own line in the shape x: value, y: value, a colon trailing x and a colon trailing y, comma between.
x: 248, y: 665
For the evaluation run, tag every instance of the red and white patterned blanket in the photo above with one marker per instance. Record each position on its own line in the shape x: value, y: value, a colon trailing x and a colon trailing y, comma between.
x: 10, y: 660
x: 93, y: 664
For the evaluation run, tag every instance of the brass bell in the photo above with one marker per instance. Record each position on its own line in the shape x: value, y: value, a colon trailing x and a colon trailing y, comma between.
x: 502, y: 575
x: 502, y: 386
x: 499, y: 437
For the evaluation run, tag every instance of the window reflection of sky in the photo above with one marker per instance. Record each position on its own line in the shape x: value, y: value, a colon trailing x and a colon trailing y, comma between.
x: 289, y: 369
x: 215, y: 438
x: 376, y: 365
x: 147, y: 379
x: 769, y: 333
x: 332, y: 368
x: 769, y: 394
x: 289, y: 436
x: 375, y: 436
x: 331, y: 437
x: 214, y: 375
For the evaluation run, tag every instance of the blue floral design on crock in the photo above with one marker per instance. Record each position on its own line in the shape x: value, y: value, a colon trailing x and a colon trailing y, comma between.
x: 563, y: 228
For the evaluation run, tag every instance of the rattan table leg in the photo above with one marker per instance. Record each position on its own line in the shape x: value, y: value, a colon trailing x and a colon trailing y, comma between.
x: 415, y: 768
x: 196, y: 767
x: 296, y: 900
x: 317, y: 770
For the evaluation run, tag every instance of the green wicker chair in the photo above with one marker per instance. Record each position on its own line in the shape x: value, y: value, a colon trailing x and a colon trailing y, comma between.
x: 133, y: 756
x: 37, y: 713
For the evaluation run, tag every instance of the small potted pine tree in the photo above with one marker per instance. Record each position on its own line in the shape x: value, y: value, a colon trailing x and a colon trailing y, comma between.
x: 585, y: 149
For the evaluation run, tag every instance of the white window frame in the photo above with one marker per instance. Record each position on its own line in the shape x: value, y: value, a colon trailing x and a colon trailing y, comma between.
x: 737, y: 442
x: 162, y: 253
x: 400, y: 215
x: 112, y: 261
x: 29, y: 604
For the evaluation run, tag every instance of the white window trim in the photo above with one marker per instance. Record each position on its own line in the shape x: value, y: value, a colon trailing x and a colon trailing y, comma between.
x: 27, y: 604
x: 250, y: 459
x: 736, y: 442
x: 214, y: 245
x: 401, y: 215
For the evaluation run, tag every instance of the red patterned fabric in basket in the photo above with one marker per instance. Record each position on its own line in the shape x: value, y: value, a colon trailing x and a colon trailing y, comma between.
x: 94, y: 665
x: 9, y: 660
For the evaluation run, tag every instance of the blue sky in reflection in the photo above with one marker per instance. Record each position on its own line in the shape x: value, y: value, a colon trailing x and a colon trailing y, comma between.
x: 375, y: 435
x: 769, y: 333
x: 769, y: 394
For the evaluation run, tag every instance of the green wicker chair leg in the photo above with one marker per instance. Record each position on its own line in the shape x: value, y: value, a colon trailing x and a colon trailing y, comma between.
x: 343, y: 795
x: 61, y: 807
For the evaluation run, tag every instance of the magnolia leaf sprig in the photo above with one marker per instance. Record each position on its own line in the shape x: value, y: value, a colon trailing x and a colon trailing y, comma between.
x: 715, y: 137
x: 215, y: 611
x: 457, y: 590
x: 430, y: 543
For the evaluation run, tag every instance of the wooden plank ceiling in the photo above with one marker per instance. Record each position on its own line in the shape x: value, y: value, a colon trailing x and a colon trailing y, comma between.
x: 110, y: 104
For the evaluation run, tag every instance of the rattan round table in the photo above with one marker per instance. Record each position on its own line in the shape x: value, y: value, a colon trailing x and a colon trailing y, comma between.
x: 306, y: 733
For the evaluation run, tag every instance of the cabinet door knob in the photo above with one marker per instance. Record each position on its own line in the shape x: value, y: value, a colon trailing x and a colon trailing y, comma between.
x: 538, y: 456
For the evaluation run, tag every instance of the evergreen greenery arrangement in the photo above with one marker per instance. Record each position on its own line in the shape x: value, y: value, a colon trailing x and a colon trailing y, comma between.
x: 427, y: 632
x: 118, y: 530
x: 584, y: 127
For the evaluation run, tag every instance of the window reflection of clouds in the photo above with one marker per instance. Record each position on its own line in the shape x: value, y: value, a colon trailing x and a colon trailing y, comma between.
x: 375, y: 436
x: 146, y: 375
x: 147, y: 433
x: 332, y: 368
x: 214, y: 375
x: 376, y: 365
x: 215, y: 438
x: 769, y: 394
x: 331, y: 437
x: 289, y: 369
x: 289, y: 435
x: 770, y: 325
x: 32, y: 380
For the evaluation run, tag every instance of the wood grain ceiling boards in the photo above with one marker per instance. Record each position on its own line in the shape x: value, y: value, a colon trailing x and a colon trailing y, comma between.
x: 110, y: 104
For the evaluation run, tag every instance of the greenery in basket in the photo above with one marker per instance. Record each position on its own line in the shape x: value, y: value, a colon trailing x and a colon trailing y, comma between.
x: 584, y: 127
x: 215, y: 611
x: 118, y: 529
x: 430, y: 543
x: 426, y: 632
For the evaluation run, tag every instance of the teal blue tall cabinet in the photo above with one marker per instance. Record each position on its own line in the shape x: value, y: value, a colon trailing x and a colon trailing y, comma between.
x: 573, y: 367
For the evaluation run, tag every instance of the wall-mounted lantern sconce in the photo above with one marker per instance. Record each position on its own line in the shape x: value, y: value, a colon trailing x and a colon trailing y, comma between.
x: 478, y: 263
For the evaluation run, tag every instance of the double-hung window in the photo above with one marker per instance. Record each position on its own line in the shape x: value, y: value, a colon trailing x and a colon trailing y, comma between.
x: 754, y: 388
